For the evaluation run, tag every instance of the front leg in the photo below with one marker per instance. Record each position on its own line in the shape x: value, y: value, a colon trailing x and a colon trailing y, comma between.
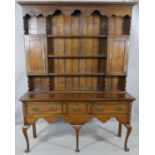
x: 129, y: 128
x: 77, y: 129
x: 25, y: 128
x: 120, y: 129
x: 34, y: 130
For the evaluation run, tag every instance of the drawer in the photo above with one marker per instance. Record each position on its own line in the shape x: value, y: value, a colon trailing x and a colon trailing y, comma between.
x: 106, y: 107
x: 43, y: 108
x: 77, y: 108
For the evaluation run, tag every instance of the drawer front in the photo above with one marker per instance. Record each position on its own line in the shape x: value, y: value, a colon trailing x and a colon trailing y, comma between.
x: 43, y: 108
x: 77, y: 108
x: 110, y: 108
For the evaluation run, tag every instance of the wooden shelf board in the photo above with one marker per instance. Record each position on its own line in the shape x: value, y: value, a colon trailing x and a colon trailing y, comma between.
x: 76, y: 36
x: 118, y: 35
x: 118, y: 74
x: 77, y: 56
x: 80, y: 74
x: 37, y: 74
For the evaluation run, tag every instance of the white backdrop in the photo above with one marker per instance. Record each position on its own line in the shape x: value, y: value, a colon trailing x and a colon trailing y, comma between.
x: 133, y: 67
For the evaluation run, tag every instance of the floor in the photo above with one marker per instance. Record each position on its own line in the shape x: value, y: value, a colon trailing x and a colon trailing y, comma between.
x: 96, y: 138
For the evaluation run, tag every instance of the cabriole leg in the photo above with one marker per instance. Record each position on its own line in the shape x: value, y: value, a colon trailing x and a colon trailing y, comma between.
x: 120, y: 129
x: 34, y: 130
x: 77, y: 129
x: 25, y: 128
x: 129, y: 128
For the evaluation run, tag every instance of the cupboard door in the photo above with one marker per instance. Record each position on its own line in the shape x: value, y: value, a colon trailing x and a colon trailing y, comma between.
x: 36, y: 53
x: 117, y: 55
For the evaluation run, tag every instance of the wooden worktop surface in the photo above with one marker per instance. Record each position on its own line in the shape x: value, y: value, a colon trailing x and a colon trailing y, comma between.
x: 76, y: 96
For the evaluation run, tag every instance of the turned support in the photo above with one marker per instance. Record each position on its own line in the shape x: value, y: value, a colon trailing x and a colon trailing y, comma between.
x: 77, y: 129
x: 129, y: 128
x: 34, y: 130
x: 25, y: 128
x: 120, y: 129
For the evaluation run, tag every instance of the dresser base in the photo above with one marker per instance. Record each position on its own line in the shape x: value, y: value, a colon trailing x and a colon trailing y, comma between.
x: 76, y: 109
x: 77, y: 130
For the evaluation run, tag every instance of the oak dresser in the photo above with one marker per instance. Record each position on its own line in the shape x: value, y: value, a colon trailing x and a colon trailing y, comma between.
x: 76, y: 59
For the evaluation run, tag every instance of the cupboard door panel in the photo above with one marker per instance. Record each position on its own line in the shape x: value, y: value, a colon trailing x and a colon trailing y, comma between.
x: 35, y: 47
x: 117, y: 55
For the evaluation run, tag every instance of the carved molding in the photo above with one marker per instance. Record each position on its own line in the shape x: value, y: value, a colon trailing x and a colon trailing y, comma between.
x: 51, y: 119
x: 46, y: 10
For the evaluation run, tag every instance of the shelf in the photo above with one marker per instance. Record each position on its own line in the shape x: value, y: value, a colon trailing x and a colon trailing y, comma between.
x: 116, y: 75
x: 37, y: 74
x: 118, y: 35
x: 80, y: 74
x: 76, y: 36
x: 78, y: 56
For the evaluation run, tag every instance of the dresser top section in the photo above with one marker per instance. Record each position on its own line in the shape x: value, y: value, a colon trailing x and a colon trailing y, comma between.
x: 107, y: 8
x: 80, y: 96
x: 23, y: 2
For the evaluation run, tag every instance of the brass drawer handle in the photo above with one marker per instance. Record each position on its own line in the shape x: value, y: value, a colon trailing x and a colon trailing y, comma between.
x: 77, y: 110
x: 34, y: 109
x: 119, y: 109
x: 54, y: 109
x: 99, y: 109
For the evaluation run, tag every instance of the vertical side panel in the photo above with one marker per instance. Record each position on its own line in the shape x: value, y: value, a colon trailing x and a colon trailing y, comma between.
x: 96, y: 48
x: 75, y: 49
x: 82, y: 51
x: 60, y: 48
x: 54, y: 82
x: 89, y: 62
x: 68, y: 51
